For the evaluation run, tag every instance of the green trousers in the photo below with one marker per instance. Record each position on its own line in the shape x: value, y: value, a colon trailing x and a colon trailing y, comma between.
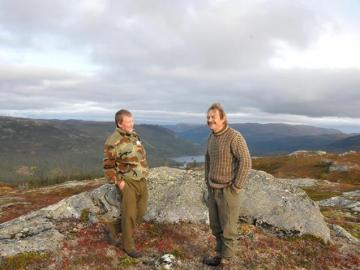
x: 224, y: 206
x: 134, y: 199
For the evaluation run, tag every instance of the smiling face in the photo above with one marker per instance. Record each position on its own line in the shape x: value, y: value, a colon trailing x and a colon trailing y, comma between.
x: 127, y: 124
x: 214, y: 122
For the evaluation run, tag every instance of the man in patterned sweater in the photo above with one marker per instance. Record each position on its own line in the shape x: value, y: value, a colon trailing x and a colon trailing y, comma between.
x: 125, y: 165
x: 227, y: 164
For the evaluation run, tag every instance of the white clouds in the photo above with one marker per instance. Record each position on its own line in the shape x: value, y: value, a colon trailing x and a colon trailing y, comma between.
x: 169, y: 60
x: 331, y: 51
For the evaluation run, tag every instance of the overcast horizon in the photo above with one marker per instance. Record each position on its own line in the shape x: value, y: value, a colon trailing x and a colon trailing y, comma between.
x: 279, y: 61
x: 167, y: 123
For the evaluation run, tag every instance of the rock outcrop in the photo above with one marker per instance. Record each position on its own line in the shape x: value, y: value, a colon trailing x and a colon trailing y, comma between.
x: 299, y: 182
x: 177, y: 195
x: 36, y: 231
x: 348, y: 200
x: 308, y: 153
x: 174, y: 195
x: 340, y: 231
x: 32, y: 232
x: 343, y: 167
x: 288, y: 210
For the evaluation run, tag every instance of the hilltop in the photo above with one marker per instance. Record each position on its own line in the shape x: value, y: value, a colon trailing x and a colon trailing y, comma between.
x: 73, y: 233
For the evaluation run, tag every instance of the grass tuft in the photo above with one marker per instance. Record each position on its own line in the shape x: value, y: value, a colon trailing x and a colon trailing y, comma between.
x: 22, y: 261
x: 84, y: 217
x: 127, y: 261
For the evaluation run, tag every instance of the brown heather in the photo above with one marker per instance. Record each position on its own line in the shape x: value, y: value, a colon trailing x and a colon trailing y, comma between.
x: 311, y: 166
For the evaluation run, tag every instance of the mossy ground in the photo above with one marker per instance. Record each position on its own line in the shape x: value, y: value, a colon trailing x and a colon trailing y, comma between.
x: 24, y: 261
x: 30, y: 200
x: 87, y: 247
x: 325, y: 191
x: 311, y: 166
x: 349, y: 221
x: 189, y: 243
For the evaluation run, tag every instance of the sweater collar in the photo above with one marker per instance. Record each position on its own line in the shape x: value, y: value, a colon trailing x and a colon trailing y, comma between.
x: 226, y: 127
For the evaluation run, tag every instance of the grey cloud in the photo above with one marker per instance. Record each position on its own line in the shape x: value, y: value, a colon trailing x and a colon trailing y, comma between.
x: 243, y: 37
x: 170, y: 57
x: 22, y: 23
x: 311, y: 93
x: 131, y: 33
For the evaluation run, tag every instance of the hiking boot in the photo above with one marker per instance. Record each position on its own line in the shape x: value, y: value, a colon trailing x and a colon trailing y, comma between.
x: 134, y: 253
x: 112, y: 230
x: 114, y: 242
x: 224, y: 264
x: 212, y: 260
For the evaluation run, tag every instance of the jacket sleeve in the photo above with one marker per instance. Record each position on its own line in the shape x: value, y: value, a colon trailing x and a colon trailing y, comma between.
x: 241, y: 153
x: 109, y: 164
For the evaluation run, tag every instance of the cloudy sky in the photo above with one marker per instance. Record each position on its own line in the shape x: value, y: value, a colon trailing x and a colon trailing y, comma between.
x: 266, y: 61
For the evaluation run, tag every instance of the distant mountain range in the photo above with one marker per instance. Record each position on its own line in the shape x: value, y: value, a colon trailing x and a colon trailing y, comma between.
x: 350, y: 143
x: 73, y: 149
x: 54, y: 149
x: 268, y: 139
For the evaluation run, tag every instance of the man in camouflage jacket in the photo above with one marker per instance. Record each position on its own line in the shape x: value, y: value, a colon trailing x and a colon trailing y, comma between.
x: 125, y: 165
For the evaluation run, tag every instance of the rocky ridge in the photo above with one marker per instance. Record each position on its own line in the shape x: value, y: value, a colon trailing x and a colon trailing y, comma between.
x: 174, y: 195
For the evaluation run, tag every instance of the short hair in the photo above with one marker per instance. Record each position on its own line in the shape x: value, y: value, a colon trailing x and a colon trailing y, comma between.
x: 219, y: 108
x: 119, y: 116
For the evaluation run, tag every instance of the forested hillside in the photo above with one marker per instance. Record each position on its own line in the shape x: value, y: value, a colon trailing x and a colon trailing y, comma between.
x: 54, y: 150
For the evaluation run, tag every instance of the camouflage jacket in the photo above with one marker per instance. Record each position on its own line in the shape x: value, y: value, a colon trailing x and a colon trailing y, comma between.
x: 124, y: 157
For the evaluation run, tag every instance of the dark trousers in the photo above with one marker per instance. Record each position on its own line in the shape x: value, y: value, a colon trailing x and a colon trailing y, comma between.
x: 224, y: 214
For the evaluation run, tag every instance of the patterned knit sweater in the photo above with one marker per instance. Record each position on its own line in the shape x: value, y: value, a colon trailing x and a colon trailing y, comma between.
x: 227, y: 159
